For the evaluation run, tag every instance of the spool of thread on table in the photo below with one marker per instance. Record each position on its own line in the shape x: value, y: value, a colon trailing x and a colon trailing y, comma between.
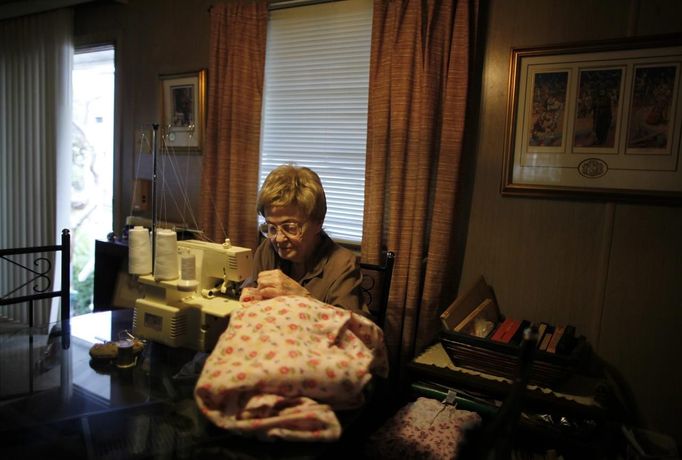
x: 125, y: 357
x: 188, y: 272
x: 166, y: 263
x: 139, y: 251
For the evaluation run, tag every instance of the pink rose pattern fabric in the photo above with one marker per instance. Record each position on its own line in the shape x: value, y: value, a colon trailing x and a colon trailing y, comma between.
x: 285, y: 364
x: 425, y: 429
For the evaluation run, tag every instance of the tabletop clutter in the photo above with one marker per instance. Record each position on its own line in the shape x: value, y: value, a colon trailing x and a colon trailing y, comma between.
x: 122, y: 352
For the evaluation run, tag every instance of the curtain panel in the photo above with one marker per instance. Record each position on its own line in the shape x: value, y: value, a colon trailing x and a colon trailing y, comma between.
x: 420, y: 65
x: 36, y: 55
x: 235, y: 92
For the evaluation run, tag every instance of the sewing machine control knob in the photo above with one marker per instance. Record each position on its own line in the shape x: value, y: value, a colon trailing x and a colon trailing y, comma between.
x: 227, y: 244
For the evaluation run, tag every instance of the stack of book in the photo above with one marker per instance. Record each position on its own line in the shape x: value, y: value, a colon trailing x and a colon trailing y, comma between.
x: 558, y: 338
x: 477, y: 336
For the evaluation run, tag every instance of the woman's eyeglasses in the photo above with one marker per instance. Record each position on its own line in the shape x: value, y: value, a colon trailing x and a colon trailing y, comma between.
x: 289, y: 229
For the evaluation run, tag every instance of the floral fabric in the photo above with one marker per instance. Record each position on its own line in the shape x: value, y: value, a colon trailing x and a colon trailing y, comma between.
x: 425, y: 429
x: 284, y: 364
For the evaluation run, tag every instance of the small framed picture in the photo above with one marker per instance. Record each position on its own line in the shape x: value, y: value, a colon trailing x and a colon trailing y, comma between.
x: 183, y: 108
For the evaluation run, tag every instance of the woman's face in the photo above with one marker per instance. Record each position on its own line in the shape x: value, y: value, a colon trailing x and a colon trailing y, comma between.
x: 289, y: 246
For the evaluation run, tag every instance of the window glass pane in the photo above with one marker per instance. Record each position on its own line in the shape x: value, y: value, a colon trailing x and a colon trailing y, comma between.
x: 315, y: 104
x: 93, y: 165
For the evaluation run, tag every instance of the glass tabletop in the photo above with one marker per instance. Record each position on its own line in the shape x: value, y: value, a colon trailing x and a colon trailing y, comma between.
x: 44, y: 386
x: 55, y: 398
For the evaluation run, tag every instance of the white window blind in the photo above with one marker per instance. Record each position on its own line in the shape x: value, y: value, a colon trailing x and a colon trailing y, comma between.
x: 315, y: 103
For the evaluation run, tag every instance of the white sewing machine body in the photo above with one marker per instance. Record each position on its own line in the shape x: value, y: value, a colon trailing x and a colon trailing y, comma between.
x: 193, y: 313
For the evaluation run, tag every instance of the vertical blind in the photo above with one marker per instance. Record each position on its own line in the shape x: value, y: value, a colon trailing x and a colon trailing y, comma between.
x: 35, y: 139
x: 315, y: 103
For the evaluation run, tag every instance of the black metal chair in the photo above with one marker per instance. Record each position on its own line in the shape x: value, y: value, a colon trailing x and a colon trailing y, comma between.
x: 32, y: 271
x: 376, y: 285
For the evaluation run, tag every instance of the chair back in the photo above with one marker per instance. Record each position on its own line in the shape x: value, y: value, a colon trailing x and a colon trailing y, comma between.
x: 376, y: 285
x: 30, y: 272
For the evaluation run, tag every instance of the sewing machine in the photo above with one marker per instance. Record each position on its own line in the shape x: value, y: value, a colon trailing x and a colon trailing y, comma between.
x: 193, y: 312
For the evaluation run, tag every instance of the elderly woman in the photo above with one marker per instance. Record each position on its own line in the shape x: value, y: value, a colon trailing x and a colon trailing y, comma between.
x: 298, y: 257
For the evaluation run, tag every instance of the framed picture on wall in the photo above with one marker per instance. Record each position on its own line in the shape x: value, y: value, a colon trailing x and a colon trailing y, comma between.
x: 183, y: 108
x: 599, y: 119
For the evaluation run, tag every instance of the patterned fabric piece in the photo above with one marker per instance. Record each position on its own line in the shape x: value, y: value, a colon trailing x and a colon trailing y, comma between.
x: 284, y: 364
x: 425, y: 429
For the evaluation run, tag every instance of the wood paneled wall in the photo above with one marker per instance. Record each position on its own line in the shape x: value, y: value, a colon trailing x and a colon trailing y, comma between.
x: 152, y: 37
x: 613, y: 269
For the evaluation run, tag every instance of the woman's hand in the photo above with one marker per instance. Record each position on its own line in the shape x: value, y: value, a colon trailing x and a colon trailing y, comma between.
x: 249, y: 294
x: 273, y: 283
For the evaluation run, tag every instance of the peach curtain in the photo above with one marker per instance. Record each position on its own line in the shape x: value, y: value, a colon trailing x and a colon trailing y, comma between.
x: 419, y: 80
x: 234, y: 96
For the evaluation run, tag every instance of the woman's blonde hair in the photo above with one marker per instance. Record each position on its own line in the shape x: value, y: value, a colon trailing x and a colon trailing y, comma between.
x: 296, y: 186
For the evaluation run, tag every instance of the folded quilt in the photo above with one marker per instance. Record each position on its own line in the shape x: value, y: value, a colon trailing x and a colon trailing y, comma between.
x: 285, y: 364
x: 425, y: 429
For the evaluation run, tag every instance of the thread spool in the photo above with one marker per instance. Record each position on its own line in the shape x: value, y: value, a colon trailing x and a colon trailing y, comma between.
x: 188, y: 272
x: 139, y: 251
x: 166, y: 263
x: 125, y: 357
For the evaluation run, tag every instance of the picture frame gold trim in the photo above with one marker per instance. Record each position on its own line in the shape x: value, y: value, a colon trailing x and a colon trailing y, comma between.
x: 183, y: 111
x: 595, y: 120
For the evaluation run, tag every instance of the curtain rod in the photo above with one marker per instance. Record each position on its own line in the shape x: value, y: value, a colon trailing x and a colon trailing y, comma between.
x: 283, y: 4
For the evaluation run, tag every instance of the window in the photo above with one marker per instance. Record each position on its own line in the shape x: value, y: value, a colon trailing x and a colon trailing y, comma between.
x: 93, y: 165
x: 315, y: 103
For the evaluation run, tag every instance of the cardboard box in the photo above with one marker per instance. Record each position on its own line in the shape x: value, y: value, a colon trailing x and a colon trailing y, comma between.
x: 460, y: 310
